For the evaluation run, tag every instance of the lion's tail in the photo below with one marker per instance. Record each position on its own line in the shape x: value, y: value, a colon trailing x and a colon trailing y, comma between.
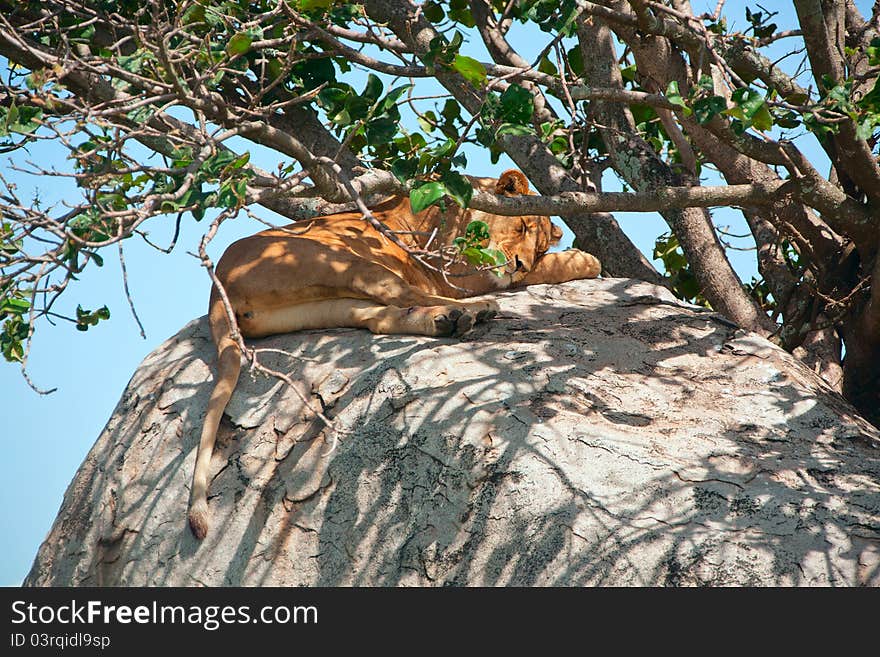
x: 228, y: 369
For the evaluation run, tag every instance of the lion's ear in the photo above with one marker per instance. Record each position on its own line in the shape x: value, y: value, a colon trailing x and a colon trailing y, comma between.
x: 512, y: 183
x: 555, y: 233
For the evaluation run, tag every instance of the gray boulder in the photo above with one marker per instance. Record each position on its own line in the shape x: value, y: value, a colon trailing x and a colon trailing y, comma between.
x: 595, y: 433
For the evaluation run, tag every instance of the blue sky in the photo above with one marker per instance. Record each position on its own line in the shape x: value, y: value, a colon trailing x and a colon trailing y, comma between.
x: 45, y: 438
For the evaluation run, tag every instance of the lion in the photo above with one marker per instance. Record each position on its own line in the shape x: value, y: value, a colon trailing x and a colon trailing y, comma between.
x: 340, y: 271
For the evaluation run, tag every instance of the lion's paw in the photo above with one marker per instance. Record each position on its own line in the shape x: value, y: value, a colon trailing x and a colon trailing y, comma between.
x: 486, y: 314
x: 454, y: 322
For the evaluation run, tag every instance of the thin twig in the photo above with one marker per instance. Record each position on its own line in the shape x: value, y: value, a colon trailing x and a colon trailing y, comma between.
x: 128, y: 294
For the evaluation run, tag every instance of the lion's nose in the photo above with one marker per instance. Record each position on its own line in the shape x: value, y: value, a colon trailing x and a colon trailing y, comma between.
x: 519, y: 264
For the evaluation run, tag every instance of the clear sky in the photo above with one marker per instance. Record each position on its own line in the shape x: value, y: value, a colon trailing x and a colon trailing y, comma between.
x: 45, y: 438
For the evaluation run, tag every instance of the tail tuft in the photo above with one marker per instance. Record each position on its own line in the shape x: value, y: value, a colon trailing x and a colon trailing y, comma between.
x: 198, y: 520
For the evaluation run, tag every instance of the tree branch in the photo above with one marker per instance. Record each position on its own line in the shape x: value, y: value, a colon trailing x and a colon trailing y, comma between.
x: 600, y: 234
x: 824, y: 33
x: 640, y: 166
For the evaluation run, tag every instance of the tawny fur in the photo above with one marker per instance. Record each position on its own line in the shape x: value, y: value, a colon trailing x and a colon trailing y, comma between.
x: 338, y: 271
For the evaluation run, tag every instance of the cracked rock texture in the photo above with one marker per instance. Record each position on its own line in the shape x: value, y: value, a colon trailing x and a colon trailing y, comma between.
x: 597, y: 432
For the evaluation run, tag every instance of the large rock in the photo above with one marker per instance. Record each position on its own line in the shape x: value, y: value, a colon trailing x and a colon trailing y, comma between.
x: 597, y: 432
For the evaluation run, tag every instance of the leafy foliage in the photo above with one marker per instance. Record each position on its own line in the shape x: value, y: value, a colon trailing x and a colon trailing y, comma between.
x: 682, y: 280
x: 473, y: 246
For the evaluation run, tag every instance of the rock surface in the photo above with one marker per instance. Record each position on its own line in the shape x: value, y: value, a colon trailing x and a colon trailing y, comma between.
x: 597, y: 432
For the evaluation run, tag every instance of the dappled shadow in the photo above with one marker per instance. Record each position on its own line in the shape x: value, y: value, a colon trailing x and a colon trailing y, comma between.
x: 598, y: 435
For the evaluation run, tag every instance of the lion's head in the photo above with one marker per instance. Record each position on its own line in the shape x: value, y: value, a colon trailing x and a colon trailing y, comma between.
x: 522, y: 239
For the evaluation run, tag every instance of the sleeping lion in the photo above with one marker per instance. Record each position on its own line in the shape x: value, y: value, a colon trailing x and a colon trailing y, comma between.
x: 339, y: 271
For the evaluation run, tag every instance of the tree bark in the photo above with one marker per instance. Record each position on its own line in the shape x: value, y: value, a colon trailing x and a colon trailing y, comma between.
x: 640, y: 166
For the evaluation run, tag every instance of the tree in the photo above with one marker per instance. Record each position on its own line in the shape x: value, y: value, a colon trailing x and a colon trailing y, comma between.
x: 661, y: 97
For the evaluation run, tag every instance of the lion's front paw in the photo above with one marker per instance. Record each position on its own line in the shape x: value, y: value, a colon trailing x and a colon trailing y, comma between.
x: 488, y: 310
x: 454, y: 322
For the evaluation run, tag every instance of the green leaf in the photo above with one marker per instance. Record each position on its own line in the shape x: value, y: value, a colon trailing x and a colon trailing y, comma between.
x: 548, y: 67
x: 576, y: 60
x: 558, y: 145
x: 331, y: 97
x: 455, y: 43
x: 706, y: 108
x: 749, y: 101
x: 871, y: 100
x: 14, y: 306
x: 213, y: 17
x: 512, y: 129
x: 762, y: 120
x: 459, y: 188
x: 444, y: 149
x: 239, y: 44
x: 436, y: 53
x: 517, y: 104
x: 706, y: 83
x: 470, y: 69
x: 226, y: 196
x: 409, y: 143
x: 380, y: 131
x: 473, y: 255
x: 497, y: 257
x: 674, y: 96
x: 84, y: 35
x: 477, y: 231
x: 874, y: 51
x: 12, y: 114
x: 393, y: 96
x: 240, y: 161
x: 664, y: 245
x: 426, y: 195
x: 373, y: 89
x: 480, y: 256
x: 428, y: 121
x: 451, y: 110
x: 404, y: 169
x: 735, y: 112
x: 15, y: 330
x: 686, y: 284
x: 433, y: 12
x: 751, y: 108
x: 357, y: 107
x: 460, y: 12
x: 240, y: 188
x: 309, y: 5
x: 865, y: 129
x: 341, y: 118
x: 786, y: 119
x: 314, y: 72
x: 87, y: 318
x: 26, y: 121
x: 214, y: 165
x: 195, y: 13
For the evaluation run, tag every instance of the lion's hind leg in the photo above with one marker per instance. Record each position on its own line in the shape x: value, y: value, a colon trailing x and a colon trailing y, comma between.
x: 448, y: 319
